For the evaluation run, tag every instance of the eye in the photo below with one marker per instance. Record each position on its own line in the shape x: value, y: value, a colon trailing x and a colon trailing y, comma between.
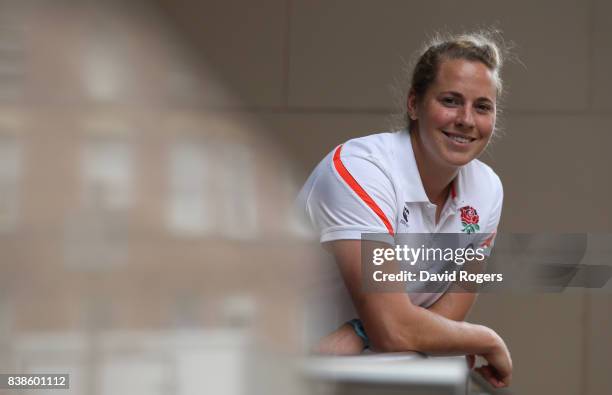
x: 450, y: 101
x: 484, y: 108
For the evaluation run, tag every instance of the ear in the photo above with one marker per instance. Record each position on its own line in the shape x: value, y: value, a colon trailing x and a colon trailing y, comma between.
x: 411, y: 105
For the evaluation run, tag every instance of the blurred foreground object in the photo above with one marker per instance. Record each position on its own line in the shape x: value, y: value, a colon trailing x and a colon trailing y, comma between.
x: 147, y: 237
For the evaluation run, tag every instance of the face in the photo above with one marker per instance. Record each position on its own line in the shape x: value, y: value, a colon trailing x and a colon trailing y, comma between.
x: 456, y: 117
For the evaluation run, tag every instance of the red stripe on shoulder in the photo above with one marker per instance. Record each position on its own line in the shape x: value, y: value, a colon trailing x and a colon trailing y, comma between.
x: 354, y: 185
x: 489, y: 240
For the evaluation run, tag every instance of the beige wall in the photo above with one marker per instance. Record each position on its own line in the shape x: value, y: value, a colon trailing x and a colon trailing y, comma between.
x: 319, y: 72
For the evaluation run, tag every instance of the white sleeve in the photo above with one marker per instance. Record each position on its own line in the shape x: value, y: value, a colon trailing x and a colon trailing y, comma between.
x: 489, y: 231
x: 337, y: 207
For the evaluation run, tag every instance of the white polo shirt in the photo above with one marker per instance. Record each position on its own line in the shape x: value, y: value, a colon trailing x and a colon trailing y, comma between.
x: 372, y: 185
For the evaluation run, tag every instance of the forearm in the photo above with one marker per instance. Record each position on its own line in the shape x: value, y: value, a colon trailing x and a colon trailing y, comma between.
x: 345, y: 341
x: 454, y: 305
x: 439, y: 335
x: 417, y: 329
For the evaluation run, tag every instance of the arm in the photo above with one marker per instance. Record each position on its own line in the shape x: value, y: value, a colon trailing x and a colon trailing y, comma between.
x: 393, y: 323
x: 454, y: 306
x: 344, y: 340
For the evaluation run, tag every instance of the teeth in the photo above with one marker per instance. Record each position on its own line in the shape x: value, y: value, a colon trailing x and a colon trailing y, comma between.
x: 459, y: 139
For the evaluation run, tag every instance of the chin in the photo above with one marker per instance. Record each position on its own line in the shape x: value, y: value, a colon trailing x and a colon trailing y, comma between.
x: 455, y: 159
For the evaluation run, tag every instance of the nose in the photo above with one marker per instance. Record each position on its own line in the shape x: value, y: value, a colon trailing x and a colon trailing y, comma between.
x: 465, y: 118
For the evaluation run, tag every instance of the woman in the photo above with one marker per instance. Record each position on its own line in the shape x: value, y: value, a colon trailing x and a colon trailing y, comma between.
x: 424, y: 180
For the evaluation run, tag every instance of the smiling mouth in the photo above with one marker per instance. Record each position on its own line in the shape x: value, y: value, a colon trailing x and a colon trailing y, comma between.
x: 458, y: 138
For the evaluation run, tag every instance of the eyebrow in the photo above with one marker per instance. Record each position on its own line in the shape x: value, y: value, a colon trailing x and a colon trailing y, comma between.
x: 457, y: 94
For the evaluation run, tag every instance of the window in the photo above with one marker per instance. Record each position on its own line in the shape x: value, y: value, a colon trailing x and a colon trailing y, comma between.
x: 190, y: 207
x: 107, y: 172
x: 96, y: 232
x: 212, y: 189
x: 236, y: 181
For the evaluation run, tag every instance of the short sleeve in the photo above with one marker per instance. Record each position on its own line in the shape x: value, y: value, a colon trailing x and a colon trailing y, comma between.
x: 489, y: 231
x: 348, y: 195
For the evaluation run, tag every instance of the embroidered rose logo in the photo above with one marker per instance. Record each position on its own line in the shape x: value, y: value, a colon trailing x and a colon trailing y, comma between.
x: 469, y: 219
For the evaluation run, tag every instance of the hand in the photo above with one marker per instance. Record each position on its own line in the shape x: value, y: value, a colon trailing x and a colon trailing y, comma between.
x: 499, y: 370
x: 343, y: 341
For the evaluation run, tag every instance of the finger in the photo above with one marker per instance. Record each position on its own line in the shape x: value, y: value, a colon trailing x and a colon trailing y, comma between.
x: 502, y: 379
x: 489, y: 375
x: 506, y: 380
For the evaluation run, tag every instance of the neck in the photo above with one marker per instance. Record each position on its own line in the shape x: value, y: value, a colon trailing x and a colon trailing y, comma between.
x: 436, y: 178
